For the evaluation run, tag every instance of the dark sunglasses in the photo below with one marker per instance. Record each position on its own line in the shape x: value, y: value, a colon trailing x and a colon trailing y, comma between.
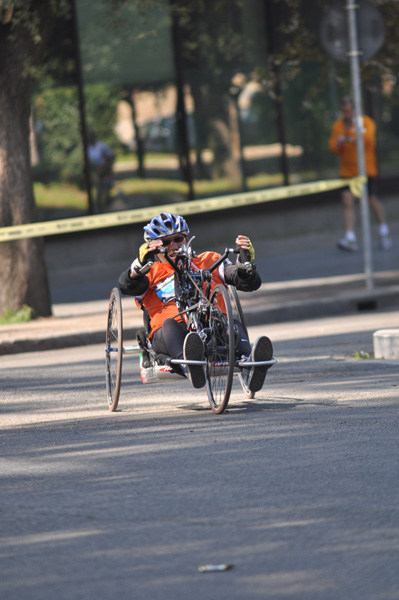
x: 178, y: 239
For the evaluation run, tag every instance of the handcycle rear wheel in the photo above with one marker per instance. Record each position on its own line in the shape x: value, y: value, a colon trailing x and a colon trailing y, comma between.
x: 114, y: 349
x: 220, y: 350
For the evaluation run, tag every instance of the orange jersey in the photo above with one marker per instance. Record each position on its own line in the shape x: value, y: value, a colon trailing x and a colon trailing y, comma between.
x: 159, y: 299
x: 347, y: 151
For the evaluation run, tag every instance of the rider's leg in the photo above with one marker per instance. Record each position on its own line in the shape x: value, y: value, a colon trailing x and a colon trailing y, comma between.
x: 173, y: 334
x: 169, y: 340
x: 242, y: 342
x: 193, y: 349
x: 172, y: 339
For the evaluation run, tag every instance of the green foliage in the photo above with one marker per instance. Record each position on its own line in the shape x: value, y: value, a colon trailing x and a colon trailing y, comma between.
x: 124, y: 44
x: 101, y: 106
x: 57, y: 120
x: 362, y: 355
x: 56, y: 116
x: 309, y: 110
x: 23, y: 315
x: 297, y: 43
x: 29, y: 26
x: 216, y: 44
x: 264, y: 112
x: 212, y: 38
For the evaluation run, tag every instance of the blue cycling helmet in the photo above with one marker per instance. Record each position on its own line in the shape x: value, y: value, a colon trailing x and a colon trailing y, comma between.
x: 163, y: 225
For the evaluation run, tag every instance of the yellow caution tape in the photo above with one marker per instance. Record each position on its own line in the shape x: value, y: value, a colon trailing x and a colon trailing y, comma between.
x: 143, y: 215
x: 356, y: 185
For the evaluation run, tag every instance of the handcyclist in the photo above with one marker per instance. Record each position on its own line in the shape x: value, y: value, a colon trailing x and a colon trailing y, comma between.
x: 150, y: 279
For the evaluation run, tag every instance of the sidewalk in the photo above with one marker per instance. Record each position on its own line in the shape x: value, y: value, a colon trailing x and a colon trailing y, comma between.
x: 83, y: 323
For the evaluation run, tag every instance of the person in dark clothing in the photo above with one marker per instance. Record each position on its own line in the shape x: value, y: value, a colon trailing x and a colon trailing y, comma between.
x: 101, y: 159
x: 150, y: 280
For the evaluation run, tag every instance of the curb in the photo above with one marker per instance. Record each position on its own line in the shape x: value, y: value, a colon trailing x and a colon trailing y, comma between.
x: 53, y: 342
x: 323, y: 307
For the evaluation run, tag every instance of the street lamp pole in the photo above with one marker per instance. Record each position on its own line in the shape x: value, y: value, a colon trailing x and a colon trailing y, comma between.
x: 357, y: 100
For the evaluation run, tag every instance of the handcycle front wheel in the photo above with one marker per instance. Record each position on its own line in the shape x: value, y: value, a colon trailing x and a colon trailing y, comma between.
x: 239, y: 316
x: 114, y: 349
x: 220, y: 350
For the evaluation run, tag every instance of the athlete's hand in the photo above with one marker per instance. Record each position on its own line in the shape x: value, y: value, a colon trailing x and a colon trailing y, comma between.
x: 247, y: 253
x: 148, y: 251
x: 143, y: 263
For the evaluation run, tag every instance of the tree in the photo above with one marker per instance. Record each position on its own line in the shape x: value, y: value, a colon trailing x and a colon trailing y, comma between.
x: 312, y: 83
x: 213, y: 48
x: 25, y: 28
x: 60, y: 136
x: 298, y: 42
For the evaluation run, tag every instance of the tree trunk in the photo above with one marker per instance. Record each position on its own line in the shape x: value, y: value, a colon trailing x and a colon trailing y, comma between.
x: 225, y: 164
x: 23, y: 274
x: 198, y: 90
x: 213, y: 104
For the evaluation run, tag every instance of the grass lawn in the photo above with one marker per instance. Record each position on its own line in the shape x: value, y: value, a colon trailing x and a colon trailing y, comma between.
x: 66, y: 196
x: 59, y: 195
x: 23, y: 315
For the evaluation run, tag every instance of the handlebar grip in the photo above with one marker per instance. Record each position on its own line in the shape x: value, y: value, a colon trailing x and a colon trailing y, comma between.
x: 145, y: 268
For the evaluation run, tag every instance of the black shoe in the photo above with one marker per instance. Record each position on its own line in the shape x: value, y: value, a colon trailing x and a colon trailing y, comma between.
x: 193, y: 349
x: 262, y: 350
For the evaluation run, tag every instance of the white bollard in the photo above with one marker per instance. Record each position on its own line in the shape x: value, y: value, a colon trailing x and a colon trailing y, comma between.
x: 386, y: 343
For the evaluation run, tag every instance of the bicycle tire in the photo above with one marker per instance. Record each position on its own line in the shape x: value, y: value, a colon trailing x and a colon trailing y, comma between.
x: 239, y: 315
x: 237, y: 308
x: 220, y: 350
x: 114, y: 349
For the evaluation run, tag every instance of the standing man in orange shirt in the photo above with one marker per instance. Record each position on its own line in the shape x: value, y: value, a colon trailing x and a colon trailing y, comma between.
x: 343, y: 143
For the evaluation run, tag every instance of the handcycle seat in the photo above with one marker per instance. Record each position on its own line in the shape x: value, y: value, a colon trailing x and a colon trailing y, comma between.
x: 154, y: 366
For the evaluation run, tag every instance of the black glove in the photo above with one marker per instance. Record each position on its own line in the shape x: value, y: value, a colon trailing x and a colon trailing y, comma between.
x: 245, y: 258
x: 145, y: 260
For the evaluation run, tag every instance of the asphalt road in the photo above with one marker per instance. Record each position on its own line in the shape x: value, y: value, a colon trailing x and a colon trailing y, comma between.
x: 298, y: 489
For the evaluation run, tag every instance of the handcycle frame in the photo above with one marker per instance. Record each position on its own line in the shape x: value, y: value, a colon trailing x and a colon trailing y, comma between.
x: 211, y: 311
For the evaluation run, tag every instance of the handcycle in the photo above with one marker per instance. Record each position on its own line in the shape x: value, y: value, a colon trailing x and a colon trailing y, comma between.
x: 212, y: 311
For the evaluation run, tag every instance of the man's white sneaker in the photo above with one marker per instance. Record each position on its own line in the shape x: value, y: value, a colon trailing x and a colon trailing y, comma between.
x: 348, y: 245
x: 385, y: 242
x: 193, y: 349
